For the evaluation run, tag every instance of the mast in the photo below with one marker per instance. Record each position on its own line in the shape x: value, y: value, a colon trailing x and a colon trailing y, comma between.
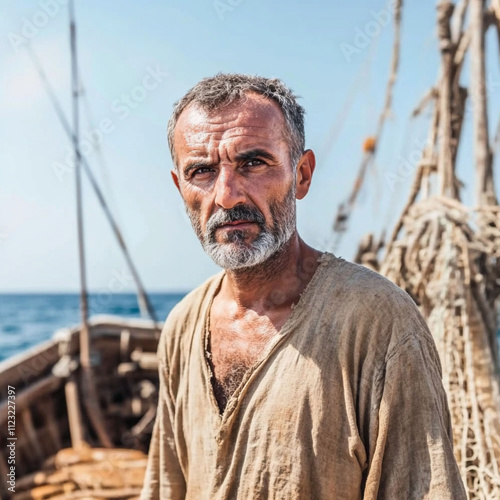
x: 84, y: 337
x: 88, y: 385
x: 145, y: 305
x: 485, y: 193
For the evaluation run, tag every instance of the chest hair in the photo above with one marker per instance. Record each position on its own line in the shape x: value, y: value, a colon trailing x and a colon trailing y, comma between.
x: 234, y: 348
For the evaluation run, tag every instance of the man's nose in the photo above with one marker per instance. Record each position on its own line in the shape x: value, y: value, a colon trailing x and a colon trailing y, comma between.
x: 228, y: 190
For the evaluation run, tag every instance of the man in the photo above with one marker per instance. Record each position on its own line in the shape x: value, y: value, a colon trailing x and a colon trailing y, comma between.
x: 292, y: 374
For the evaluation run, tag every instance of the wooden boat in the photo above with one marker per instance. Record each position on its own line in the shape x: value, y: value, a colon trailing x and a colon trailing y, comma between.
x: 48, y: 382
x: 77, y: 412
x: 44, y: 382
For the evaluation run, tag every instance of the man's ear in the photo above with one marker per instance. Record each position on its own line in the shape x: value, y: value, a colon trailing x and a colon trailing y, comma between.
x: 305, y: 170
x: 175, y: 178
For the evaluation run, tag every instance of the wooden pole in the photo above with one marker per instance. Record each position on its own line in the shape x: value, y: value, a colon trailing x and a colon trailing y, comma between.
x: 346, y: 208
x: 457, y: 22
x: 88, y: 385
x: 446, y: 175
x: 145, y: 304
x: 485, y: 192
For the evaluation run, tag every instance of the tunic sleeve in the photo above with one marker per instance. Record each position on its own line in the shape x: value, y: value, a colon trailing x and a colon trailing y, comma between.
x: 412, y: 445
x: 164, y: 479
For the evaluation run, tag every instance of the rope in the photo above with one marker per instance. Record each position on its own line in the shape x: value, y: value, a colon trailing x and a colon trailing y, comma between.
x: 345, y: 209
x: 453, y: 274
x: 144, y: 302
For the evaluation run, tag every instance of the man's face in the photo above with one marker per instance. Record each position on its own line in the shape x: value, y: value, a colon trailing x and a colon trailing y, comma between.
x: 236, y: 179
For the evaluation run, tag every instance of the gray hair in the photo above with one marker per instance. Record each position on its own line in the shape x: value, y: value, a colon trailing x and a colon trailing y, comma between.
x: 226, y: 88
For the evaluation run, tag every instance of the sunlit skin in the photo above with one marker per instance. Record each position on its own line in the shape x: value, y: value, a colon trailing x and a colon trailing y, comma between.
x: 239, y: 155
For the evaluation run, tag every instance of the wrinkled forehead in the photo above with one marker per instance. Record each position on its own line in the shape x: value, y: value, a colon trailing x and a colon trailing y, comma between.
x: 252, y: 117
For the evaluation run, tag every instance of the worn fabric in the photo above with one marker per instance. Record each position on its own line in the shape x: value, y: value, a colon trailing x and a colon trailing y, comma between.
x: 347, y: 402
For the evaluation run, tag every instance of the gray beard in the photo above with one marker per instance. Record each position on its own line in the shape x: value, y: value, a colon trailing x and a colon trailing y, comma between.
x: 234, y: 252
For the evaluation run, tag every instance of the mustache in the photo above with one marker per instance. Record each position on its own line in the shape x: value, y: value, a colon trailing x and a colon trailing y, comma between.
x: 239, y: 212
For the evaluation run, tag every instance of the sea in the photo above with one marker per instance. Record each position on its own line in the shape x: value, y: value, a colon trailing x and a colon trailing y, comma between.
x: 29, y: 319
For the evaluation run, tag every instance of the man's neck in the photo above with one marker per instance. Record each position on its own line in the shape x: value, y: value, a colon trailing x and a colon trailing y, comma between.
x: 275, y: 284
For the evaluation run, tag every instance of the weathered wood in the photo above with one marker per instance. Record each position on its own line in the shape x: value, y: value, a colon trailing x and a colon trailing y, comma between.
x: 46, y: 491
x: 457, y: 21
x: 50, y: 419
x: 3, y: 473
x: 40, y: 478
x: 24, y: 459
x: 74, y: 412
x: 145, y: 360
x: 31, y: 433
x: 103, y: 493
x: 35, y: 392
x: 92, y: 407
x: 88, y: 388
x: 36, y: 362
x: 41, y: 400
x: 29, y: 365
x: 485, y: 191
x: 447, y: 184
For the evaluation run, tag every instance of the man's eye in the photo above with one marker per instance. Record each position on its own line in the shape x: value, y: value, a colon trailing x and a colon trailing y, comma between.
x: 201, y: 171
x: 254, y: 163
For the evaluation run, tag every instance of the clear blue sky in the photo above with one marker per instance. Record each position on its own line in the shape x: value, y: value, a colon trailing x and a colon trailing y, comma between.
x: 181, y: 42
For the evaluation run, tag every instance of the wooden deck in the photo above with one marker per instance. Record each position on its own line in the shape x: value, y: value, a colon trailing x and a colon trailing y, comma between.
x: 46, y: 378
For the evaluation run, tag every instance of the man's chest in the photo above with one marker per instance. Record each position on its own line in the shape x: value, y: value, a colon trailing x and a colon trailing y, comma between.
x: 235, y: 346
x: 294, y: 403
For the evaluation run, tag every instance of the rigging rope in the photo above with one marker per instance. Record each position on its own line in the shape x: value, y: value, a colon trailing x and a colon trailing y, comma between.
x: 345, y: 209
x: 98, y: 149
x: 144, y: 302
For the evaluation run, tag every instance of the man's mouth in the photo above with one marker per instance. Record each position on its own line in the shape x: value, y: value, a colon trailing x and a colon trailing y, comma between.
x: 237, y: 224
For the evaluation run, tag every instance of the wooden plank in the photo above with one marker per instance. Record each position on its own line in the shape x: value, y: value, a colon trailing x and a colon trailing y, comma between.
x: 35, y: 362
x: 74, y: 412
x: 103, y: 493
x: 485, y: 191
x: 3, y: 472
x: 28, y: 366
x: 46, y: 491
x: 50, y: 419
x: 29, y: 428
x: 32, y: 393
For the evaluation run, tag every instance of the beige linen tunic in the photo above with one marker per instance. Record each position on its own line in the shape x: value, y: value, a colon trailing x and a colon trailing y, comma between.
x: 347, y: 402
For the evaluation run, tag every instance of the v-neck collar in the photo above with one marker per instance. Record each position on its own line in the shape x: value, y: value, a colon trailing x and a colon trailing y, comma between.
x: 232, y: 402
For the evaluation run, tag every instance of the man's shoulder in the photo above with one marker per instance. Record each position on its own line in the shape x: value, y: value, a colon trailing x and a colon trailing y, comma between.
x: 349, y: 281
x: 369, y: 302
x: 186, y: 314
x: 194, y: 300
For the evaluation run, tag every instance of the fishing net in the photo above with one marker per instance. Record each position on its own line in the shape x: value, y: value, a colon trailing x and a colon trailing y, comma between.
x: 448, y: 259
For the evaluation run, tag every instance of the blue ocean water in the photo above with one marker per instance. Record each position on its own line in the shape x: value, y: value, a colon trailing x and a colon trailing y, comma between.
x: 28, y: 319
